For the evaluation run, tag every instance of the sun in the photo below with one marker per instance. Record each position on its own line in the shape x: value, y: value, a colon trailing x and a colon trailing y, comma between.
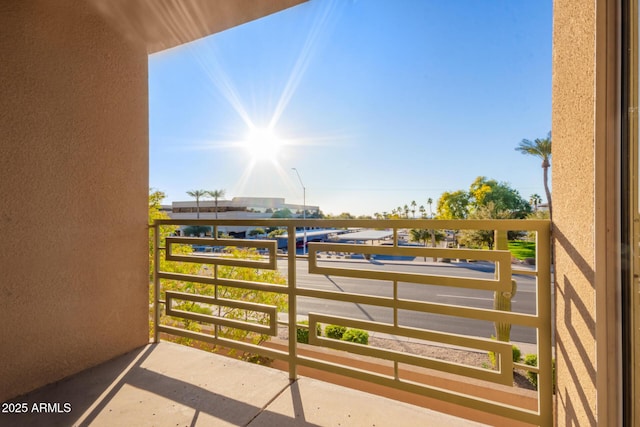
x: 262, y: 144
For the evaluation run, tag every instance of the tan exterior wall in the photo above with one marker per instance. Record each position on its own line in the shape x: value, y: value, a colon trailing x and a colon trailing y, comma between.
x: 73, y: 193
x: 74, y: 175
x: 163, y: 24
x: 585, y: 200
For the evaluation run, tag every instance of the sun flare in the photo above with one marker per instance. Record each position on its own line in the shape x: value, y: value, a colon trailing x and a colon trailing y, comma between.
x: 263, y: 144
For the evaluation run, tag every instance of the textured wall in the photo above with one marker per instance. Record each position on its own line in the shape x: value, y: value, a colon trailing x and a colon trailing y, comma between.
x: 73, y: 191
x: 163, y: 24
x: 574, y: 200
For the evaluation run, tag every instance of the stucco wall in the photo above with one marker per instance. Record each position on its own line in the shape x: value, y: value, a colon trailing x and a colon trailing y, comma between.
x: 73, y: 190
x: 584, y: 217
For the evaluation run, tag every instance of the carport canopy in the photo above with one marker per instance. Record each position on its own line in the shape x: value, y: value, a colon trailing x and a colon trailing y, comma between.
x: 366, y: 235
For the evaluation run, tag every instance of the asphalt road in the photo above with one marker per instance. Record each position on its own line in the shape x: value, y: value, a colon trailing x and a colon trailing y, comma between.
x: 523, y: 302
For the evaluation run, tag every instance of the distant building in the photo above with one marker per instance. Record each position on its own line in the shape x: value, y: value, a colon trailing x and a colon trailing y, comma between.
x: 239, y: 208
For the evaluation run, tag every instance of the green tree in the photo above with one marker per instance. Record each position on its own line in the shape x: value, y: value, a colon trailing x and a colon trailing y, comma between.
x: 419, y: 235
x: 534, y: 201
x: 541, y: 148
x: 343, y: 215
x: 282, y: 213
x: 196, y: 230
x: 413, y: 208
x: 453, y: 205
x: 277, y: 232
x: 430, y: 202
x: 215, y: 195
x: 155, y: 200
x: 481, y: 238
x: 256, y: 232
x: 364, y: 217
x: 504, y: 198
x: 422, y: 236
x: 226, y: 292
x: 198, y: 194
x: 247, y: 274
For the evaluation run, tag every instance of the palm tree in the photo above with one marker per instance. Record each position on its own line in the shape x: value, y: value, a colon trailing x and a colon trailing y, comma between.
x: 413, y: 208
x: 216, y: 194
x: 423, y: 212
x: 433, y: 233
x: 535, y: 200
x: 406, y: 211
x: 197, y: 194
x: 540, y: 148
x: 419, y: 236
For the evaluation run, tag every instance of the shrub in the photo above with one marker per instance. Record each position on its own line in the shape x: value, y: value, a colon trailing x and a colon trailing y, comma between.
x: 335, y: 331
x: 516, y: 355
x: 356, y: 335
x: 302, y: 333
x: 532, y: 360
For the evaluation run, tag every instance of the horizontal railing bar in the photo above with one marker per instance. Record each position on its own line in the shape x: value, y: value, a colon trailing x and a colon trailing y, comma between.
x: 436, y: 224
x: 206, y: 299
x: 221, y: 321
x: 224, y: 342
x: 524, y: 272
x: 406, y: 331
x: 509, y: 411
x: 270, y: 310
x: 450, y: 281
x: 503, y: 376
x: 225, y: 261
x: 521, y: 319
x: 271, y: 245
x: 212, y: 241
x: 258, y: 286
x: 499, y: 377
x: 526, y: 367
x: 478, y: 254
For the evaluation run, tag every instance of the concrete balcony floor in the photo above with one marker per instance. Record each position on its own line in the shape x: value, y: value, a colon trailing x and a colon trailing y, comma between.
x: 171, y: 385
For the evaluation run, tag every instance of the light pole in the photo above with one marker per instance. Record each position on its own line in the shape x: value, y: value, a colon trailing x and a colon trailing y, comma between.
x: 304, y: 213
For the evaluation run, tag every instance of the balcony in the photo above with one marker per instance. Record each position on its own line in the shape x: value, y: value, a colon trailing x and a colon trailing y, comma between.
x: 172, y: 385
x: 374, y: 287
x: 370, y: 286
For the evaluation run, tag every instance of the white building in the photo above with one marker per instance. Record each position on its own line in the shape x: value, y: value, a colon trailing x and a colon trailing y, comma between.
x: 239, y: 208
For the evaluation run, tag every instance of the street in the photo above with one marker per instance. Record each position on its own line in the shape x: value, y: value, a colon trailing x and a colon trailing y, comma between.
x: 523, y: 302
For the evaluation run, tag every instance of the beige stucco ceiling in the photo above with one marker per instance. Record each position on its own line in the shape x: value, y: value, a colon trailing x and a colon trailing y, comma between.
x: 163, y: 24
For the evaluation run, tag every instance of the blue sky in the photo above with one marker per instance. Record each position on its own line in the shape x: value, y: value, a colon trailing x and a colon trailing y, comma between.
x: 375, y: 102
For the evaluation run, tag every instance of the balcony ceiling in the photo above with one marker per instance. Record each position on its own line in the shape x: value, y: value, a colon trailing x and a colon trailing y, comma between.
x: 163, y: 24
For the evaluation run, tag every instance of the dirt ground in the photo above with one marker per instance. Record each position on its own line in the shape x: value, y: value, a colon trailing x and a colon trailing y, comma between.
x: 470, y: 358
x: 464, y: 357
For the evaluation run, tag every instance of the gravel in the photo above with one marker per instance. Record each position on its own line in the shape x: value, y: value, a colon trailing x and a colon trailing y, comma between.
x: 440, y: 352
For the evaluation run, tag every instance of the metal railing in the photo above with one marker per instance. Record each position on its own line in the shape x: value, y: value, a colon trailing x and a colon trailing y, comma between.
x: 396, y: 275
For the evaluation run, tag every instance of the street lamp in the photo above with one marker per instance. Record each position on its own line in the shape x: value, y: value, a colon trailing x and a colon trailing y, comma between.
x: 304, y: 213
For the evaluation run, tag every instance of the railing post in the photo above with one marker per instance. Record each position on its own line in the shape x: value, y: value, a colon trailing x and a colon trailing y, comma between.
x: 502, y: 300
x: 545, y: 360
x: 291, y: 286
x: 156, y: 281
x: 500, y: 240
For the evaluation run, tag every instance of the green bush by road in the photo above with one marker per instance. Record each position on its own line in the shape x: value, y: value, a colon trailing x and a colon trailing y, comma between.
x: 521, y: 249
